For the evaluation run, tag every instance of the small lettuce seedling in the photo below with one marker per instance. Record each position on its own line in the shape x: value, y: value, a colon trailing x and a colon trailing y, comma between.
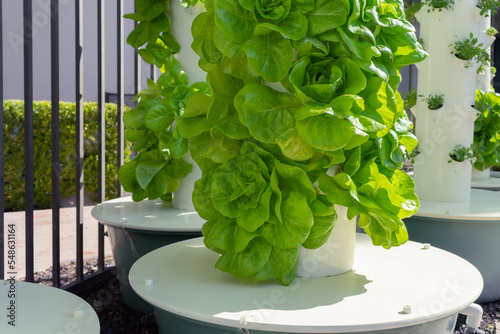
x: 491, y: 31
x: 469, y: 49
x: 439, y: 4
x: 434, y: 102
x: 461, y: 153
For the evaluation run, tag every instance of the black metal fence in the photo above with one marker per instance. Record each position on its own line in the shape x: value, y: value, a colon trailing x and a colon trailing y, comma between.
x: 28, y: 58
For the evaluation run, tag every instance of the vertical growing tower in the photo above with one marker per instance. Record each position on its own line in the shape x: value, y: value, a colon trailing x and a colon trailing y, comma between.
x: 443, y: 73
x: 451, y: 215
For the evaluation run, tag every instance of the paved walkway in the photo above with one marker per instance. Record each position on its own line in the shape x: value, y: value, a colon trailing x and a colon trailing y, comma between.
x: 43, y: 237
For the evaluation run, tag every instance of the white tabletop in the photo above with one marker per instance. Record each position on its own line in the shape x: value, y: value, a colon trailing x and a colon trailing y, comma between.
x: 149, y: 215
x: 490, y: 183
x: 43, y: 309
x: 484, y: 206
x: 433, y: 282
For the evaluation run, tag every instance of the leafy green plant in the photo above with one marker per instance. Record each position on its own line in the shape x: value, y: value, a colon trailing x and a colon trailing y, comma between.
x: 411, y: 9
x: 434, y: 102
x: 13, y: 155
x: 265, y: 152
x: 411, y: 99
x: 439, y: 4
x: 488, y: 5
x: 469, y: 49
x: 491, y: 31
x: 156, y: 171
x: 410, y: 156
x: 461, y: 153
x: 487, y: 131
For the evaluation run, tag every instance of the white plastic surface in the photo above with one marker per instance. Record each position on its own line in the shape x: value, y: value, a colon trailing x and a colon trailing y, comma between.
x: 182, y: 199
x: 478, y: 175
x: 43, y: 309
x: 336, y: 256
x: 492, y: 183
x: 483, y: 82
x: 439, y: 132
x: 181, y: 30
x: 452, y: 24
x: 442, y: 73
x: 474, y: 313
x: 148, y: 215
x: 434, y: 283
x: 484, y: 205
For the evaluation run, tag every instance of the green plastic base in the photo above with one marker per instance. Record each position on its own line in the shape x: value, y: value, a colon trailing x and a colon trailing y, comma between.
x: 474, y: 240
x: 169, y: 323
x: 128, y: 245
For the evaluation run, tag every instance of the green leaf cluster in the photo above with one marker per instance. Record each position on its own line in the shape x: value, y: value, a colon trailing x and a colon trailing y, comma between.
x: 13, y: 154
x: 487, y: 131
x: 410, y: 100
x: 304, y: 114
x: 462, y: 153
x: 411, y: 9
x: 156, y: 171
x: 439, y: 4
x: 469, y: 49
x: 434, y: 102
x: 489, y: 6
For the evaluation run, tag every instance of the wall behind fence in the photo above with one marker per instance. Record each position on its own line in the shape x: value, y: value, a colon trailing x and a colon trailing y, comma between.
x: 13, y: 50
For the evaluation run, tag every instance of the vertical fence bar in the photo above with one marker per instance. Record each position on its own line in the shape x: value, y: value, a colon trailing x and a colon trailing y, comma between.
x: 54, y: 55
x: 137, y: 69
x: 101, y: 177
x: 28, y: 135
x: 2, y: 208
x: 120, y: 95
x: 137, y: 78
x: 152, y: 74
x: 79, y: 136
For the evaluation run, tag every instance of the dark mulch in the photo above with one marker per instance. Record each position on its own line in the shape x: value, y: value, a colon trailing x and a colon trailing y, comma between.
x: 117, y: 318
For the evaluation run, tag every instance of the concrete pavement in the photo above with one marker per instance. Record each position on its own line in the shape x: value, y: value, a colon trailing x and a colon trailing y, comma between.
x: 43, y: 237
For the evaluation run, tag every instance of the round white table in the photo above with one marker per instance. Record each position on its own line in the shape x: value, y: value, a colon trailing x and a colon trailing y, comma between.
x: 36, y: 308
x: 402, y: 290
x: 491, y: 183
x: 471, y: 230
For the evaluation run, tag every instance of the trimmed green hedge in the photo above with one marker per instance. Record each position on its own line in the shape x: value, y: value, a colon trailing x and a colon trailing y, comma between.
x: 14, y: 151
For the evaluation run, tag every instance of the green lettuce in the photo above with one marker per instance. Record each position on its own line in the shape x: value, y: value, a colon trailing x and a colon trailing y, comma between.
x: 299, y: 89
x: 487, y: 131
x: 259, y: 211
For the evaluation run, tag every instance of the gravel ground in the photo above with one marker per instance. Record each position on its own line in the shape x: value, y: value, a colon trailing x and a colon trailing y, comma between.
x: 117, y: 318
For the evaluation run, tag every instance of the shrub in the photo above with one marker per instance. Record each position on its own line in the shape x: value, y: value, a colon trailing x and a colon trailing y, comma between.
x: 14, y: 151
